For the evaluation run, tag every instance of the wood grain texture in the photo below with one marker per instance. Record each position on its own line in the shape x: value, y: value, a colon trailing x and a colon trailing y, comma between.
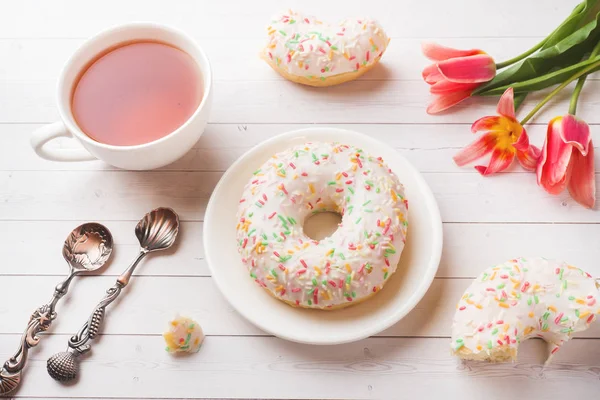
x: 405, y: 53
x: 486, y: 220
x: 120, y: 195
x: 151, y: 301
x: 274, y: 101
x: 411, y: 18
x: 574, y: 243
x: 429, y: 147
x: 125, y: 366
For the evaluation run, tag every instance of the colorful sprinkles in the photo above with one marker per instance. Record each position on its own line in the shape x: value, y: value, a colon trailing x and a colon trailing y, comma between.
x: 304, y: 46
x: 520, y: 299
x: 184, y: 335
x: 322, y: 177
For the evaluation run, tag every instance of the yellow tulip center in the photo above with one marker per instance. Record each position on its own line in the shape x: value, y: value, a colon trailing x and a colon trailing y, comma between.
x: 509, y: 134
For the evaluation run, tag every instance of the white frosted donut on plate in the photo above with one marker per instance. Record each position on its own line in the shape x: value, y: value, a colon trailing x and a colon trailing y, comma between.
x: 344, y: 268
x: 522, y: 299
x: 306, y: 50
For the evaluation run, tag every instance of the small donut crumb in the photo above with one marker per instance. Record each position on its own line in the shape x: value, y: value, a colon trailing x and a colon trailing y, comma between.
x: 184, y: 335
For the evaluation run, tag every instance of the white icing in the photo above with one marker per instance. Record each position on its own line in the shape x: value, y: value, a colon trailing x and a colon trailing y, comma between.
x: 305, y: 46
x: 521, y: 299
x: 352, y: 263
x: 184, y: 335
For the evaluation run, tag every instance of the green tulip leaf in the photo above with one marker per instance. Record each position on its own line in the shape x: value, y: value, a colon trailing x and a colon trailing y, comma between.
x: 544, y: 81
x: 578, y: 18
x: 566, y: 46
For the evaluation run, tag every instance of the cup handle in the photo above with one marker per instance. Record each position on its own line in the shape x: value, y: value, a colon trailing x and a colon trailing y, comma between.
x: 50, y: 132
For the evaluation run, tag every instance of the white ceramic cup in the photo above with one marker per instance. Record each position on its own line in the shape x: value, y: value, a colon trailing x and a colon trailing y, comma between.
x: 140, y: 157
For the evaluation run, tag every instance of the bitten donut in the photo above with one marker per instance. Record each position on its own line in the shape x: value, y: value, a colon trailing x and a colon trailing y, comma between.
x: 305, y: 50
x: 521, y: 299
x: 344, y: 268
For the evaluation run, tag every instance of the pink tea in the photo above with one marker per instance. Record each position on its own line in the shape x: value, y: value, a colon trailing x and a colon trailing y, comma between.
x: 137, y: 93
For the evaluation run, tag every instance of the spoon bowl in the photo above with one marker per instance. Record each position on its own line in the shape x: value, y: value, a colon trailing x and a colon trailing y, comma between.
x: 158, y: 229
x: 88, y: 247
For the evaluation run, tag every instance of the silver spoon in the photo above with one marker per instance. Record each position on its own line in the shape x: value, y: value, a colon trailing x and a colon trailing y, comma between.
x: 87, y: 248
x: 156, y: 231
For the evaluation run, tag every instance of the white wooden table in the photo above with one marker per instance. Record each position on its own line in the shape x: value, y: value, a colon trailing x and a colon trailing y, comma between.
x: 486, y: 220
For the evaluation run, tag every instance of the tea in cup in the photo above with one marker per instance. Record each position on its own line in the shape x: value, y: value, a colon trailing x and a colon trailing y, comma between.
x: 136, y: 96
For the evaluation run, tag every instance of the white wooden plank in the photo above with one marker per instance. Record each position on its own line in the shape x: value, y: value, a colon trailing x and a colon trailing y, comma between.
x: 31, y: 101
x: 468, y: 248
x: 429, y: 147
x: 18, y: 239
x: 487, y: 220
x: 363, y: 102
x: 145, y: 307
x: 469, y: 198
x: 104, y: 195
x: 121, y: 195
x: 123, y: 367
x: 463, y: 18
x: 403, y: 60
x: 151, y: 301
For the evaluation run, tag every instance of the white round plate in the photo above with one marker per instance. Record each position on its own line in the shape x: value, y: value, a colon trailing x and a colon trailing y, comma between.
x: 416, y: 270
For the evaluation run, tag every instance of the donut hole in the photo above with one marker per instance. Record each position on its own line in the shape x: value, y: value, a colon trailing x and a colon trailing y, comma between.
x: 321, y: 225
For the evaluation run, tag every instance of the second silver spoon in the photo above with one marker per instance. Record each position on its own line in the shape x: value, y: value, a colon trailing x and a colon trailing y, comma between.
x: 156, y: 231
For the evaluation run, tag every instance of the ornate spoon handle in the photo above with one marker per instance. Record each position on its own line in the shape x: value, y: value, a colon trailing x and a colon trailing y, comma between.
x: 63, y: 366
x: 40, y: 321
x: 89, y: 330
x: 157, y: 230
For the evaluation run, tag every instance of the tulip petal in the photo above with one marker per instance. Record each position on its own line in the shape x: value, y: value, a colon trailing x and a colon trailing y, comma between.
x: 582, y: 183
x: 488, y: 123
x: 529, y: 158
x: 431, y: 74
x: 445, y: 101
x: 522, y: 144
x: 445, y: 86
x: 554, y: 161
x: 499, y: 161
x: 435, y: 52
x: 576, y: 133
x: 497, y: 124
x: 506, y: 104
x: 472, y: 69
x: 479, y: 148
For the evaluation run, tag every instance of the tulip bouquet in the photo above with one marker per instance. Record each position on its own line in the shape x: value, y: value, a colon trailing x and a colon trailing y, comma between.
x: 568, y: 54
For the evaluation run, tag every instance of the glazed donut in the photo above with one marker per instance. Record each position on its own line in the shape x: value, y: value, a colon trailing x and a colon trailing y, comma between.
x: 522, y: 299
x: 344, y: 268
x: 305, y: 50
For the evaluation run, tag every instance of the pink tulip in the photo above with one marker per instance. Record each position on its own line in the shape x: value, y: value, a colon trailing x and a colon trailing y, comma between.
x: 505, y: 138
x: 568, y: 160
x: 455, y: 74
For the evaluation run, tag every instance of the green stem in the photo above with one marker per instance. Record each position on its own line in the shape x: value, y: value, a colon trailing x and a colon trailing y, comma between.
x: 580, y: 83
x: 575, y: 95
x: 538, y: 46
x: 518, y: 58
x: 553, y: 93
